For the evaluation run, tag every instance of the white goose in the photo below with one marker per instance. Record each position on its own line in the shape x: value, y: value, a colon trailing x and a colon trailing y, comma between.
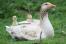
x: 31, y: 29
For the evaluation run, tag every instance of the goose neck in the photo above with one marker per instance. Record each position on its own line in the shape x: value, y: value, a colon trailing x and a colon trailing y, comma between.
x: 43, y: 17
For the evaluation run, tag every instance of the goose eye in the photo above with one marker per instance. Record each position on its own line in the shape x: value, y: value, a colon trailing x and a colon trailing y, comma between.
x: 46, y: 4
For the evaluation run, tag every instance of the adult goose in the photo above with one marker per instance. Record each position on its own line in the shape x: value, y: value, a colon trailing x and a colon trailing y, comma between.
x: 31, y: 29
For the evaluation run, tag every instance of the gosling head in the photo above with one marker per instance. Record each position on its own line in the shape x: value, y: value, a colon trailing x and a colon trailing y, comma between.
x: 14, y: 18
x: 46, y: 6
x: 29, y: 18
x: 14, y: 22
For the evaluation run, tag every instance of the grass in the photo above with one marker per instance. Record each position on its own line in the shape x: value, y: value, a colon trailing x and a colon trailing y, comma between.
x: 57, y: 18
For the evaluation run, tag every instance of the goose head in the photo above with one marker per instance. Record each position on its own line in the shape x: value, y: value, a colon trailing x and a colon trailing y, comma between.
x: 44, y: 9
x: 46, y: 6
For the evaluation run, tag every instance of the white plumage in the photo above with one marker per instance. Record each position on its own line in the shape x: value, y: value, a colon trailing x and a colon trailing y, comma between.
x: 31, y: 28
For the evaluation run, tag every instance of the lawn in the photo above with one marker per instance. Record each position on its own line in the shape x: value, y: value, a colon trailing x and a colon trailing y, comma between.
x: 57, y: 18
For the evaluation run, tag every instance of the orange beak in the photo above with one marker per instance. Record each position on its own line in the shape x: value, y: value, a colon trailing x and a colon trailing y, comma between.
x: 51, y: 5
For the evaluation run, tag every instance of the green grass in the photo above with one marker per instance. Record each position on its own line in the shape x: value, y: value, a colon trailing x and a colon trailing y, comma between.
x: 57, y: 18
